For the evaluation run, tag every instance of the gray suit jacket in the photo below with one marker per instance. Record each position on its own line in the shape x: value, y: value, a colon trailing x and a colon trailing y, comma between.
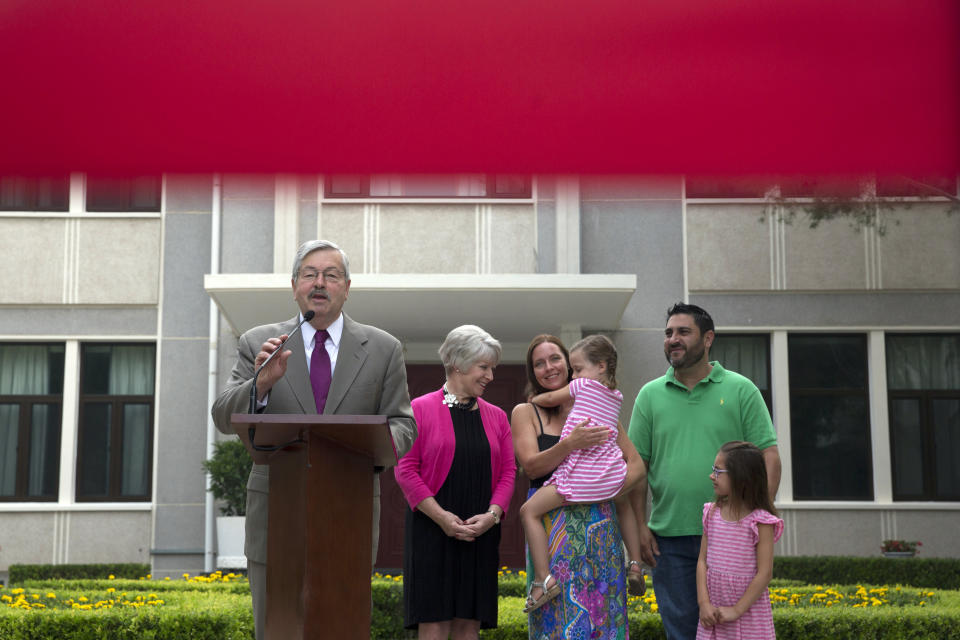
x: 369, y: 379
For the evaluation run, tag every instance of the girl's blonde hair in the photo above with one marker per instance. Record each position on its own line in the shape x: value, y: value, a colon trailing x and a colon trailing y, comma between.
x: 599, y: 348
x: 748, y: 478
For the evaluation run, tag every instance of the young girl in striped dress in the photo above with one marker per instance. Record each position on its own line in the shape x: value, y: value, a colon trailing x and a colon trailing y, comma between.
x: 736, y: 551
x: 595, y: 474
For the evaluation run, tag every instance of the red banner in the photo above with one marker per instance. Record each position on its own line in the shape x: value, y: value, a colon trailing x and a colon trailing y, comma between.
x: 508, y: 85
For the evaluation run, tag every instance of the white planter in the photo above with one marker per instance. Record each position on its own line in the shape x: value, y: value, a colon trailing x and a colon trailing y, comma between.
x: 230, y: 539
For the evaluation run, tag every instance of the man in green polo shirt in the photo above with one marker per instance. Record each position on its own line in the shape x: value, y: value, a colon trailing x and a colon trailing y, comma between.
x: 679, y: 422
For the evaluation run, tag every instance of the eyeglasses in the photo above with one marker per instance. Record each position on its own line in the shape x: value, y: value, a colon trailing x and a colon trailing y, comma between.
x: 717, y: 472
x: 330, y: 276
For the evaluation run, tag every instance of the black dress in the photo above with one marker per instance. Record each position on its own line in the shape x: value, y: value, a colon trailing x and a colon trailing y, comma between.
x: 544, y: 442
x: 445, y: 578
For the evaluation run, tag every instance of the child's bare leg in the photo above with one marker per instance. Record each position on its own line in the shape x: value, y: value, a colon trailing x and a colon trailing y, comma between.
x: 628, y: 526
x: 531, y: 513
x: 630, y: 533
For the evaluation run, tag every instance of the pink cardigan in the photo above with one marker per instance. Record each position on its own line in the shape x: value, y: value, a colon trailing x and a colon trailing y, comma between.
x: 422, y: 471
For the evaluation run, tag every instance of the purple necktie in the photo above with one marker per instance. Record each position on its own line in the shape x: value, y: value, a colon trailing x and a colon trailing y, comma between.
x: 320, y: 370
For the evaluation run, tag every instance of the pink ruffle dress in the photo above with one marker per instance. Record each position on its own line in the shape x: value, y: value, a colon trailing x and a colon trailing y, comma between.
x: 731, y: 565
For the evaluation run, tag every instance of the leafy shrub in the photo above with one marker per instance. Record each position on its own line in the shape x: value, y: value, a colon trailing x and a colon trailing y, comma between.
x: 127, y: 610
x: 229, y: 468
x: 21, y: 572
x: 935, y: 573
x: 387, y: 620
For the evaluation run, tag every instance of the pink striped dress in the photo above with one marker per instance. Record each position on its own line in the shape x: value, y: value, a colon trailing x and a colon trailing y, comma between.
x: 731, y: 565
x: 595, y: 474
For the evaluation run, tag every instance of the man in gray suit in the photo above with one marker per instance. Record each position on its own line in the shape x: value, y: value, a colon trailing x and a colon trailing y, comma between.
x: 358, y: 370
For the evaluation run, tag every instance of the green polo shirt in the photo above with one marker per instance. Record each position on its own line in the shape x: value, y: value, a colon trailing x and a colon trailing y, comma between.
x: 678, y: 433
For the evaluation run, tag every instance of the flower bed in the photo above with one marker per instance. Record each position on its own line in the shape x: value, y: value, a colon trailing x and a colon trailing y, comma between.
x: 218, y: 607
x: 800, y: 611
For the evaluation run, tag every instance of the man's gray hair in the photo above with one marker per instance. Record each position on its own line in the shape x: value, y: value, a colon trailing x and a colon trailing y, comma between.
x: 466, y: 345
x: 309, y: 247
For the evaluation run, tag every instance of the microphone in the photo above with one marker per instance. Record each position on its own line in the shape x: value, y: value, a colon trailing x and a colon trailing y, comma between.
x: 307, y: 316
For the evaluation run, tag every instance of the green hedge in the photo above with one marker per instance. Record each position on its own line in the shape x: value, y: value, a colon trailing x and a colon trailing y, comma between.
x: 935, y: 573
x: 21, y: 572
x: 888, y: 624
x: 216, y: 610
x: 939, y: 620
x: 188, y: 614
x: 239, y: 587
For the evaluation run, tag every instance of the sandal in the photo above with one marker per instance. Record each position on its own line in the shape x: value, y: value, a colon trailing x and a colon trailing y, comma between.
x: 545, y: 597
x: 636, y: 583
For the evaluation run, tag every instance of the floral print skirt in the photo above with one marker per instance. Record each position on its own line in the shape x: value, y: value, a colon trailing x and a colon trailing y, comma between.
x: 586, y: 557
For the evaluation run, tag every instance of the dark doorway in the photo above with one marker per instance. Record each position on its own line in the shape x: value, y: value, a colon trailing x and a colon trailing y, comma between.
x: 506, y: 391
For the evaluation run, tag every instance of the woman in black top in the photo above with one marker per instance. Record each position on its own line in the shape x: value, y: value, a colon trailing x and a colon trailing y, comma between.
x: 591, y: 571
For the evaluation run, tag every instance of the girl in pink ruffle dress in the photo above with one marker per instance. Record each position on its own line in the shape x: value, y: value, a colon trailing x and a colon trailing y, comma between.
x: 736, y: 551
x: 594, y: 474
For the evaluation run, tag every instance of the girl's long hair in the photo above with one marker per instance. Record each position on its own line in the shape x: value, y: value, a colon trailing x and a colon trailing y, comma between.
x: 749, y: 489
x: 597, y: 349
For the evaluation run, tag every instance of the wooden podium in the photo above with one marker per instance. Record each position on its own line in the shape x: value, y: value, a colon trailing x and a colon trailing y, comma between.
x: 319, y: 534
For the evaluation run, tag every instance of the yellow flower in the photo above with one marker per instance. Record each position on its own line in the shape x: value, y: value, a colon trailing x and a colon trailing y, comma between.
x: 52, y: 595
x: 110, y: 577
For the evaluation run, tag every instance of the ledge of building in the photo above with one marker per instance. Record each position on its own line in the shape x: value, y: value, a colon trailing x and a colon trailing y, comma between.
x: 423, y: 307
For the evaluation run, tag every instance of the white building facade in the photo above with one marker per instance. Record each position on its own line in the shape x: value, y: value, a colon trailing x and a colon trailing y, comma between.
x: 122, y: 299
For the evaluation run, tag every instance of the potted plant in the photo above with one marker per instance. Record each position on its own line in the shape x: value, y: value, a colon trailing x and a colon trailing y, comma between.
x: 900, y: 548
x: 228, y: 468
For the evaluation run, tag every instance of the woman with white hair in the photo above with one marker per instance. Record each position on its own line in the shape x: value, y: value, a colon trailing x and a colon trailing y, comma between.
x: 458, y: 479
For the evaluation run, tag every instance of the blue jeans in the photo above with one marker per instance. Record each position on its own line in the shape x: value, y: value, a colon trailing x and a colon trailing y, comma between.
x: 675, y: 583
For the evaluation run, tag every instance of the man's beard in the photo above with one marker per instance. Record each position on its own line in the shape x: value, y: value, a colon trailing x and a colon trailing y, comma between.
x: 690, y: 356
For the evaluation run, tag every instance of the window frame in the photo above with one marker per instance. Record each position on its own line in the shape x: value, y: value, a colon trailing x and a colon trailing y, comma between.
x: 117, y: 403
x: 126, y: 206
x: 490, y: 193
x: 24, y: 443
x: 26, y: 402
x: 925, y: 398
x: 795, y: 392
x: 761, y: 188
x: 767, y: 394
x: 32, y: 204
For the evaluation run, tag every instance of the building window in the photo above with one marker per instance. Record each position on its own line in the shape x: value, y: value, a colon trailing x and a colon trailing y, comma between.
x: 116, y: 422
x: 898, y: 186
x: 112, y: 194
x: 31, y: 396
x: 923, y: 382
x: 464, y: 185
x: 782, y: 186
x: 20, y: 193
x: 829, y: 417
x: 851, y: 186
x: 748, y: 355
